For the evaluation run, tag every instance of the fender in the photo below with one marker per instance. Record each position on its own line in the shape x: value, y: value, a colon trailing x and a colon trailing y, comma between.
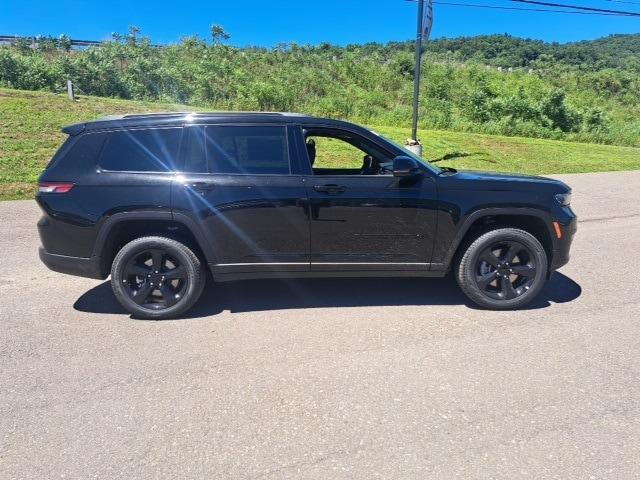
x: 109, y: 223
x: 471, y: 218
x: 200, y: 235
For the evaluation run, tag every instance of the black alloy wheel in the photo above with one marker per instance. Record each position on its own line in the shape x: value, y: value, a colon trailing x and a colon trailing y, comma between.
x: 157, y: 277
x: 154, y: 279
x: 502, y: 269
x: 505, y: 270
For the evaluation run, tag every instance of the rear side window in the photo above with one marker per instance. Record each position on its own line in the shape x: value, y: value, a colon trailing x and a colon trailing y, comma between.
x: 150, y: 150
x: 78, y: 151
x: 238, y: 149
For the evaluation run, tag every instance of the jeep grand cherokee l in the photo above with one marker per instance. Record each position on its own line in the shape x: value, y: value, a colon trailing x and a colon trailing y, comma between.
x: 155, y: 200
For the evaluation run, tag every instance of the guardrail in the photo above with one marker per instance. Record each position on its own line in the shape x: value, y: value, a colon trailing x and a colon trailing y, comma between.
x: 11, y: 39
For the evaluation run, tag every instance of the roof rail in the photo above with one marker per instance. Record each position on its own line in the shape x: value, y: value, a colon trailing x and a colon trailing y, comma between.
x: 154, y: 114
x: 224, y: 113
x: 108, y: 118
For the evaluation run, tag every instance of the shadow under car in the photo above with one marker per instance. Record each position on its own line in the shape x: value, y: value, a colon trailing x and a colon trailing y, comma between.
x: 261, y: 295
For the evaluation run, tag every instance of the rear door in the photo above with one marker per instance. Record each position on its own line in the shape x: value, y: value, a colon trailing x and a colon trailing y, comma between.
x: 237, y: 185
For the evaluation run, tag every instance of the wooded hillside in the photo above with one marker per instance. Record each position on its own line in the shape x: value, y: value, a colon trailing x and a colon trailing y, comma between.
x: 586, y: 91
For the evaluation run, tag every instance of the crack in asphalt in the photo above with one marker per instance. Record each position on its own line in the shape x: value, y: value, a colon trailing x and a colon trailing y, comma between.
x: 604, y: 219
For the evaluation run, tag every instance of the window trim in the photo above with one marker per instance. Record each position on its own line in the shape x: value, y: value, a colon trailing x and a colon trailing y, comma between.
x: 307, y: 163
x: 291, y: 154
x: 109, y: 133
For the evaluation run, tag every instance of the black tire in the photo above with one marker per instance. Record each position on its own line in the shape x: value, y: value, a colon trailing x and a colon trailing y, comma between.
x: 497, y: 259
x: 157, y: 278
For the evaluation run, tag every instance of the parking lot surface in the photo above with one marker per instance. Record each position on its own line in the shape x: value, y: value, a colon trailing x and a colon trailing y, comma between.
x: 330, y: 378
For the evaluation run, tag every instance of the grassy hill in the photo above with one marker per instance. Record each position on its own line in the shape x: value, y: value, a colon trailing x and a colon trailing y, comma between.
x: 500, y: 85
x: 30, y: 125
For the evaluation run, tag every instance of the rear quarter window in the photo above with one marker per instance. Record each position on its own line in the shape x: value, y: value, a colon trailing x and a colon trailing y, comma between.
x: 144, y: 150
x: 78, y: 151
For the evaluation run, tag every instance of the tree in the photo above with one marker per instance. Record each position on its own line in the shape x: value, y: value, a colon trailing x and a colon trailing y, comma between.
x: 218, y: 34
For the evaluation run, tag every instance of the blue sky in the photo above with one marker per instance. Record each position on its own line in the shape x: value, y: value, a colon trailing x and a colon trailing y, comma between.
x: 269, y: 22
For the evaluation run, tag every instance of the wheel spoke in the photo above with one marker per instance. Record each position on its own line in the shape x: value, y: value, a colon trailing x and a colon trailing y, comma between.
x: 485, y: 280
x: 168, y: 295
x: 175, y: 273
x: 512, y: 251
x: 524, y: 271
x: 139, y: 270
x: 506, y: 287
x: 488, y: 257
x: 157, y: 258
x: 140, y: 296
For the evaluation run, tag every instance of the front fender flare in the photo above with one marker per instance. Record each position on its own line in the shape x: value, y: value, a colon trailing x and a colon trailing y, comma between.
x: 471, y: 218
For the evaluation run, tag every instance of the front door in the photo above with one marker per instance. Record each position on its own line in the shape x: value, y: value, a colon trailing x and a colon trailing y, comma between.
x: 362, y: 217
x: 252, y: 210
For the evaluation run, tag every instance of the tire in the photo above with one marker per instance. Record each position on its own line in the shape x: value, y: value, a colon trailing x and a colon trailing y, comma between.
x: 157, y: 278
x: 497, y: 259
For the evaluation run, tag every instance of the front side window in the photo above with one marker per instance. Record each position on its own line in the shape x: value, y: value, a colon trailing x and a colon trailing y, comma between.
x: 148, y: 150
x: 339, y: 152
x: 237, y: 149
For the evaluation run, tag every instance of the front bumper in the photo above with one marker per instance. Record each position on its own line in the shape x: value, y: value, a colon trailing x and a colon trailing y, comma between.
x: 562, y: 246
x: 79, y: 266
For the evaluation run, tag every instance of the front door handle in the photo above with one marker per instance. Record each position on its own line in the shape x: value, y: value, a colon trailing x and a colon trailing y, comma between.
x: 331, y: 189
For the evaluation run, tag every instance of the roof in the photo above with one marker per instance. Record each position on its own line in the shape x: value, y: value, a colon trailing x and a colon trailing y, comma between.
x: 179, y: 118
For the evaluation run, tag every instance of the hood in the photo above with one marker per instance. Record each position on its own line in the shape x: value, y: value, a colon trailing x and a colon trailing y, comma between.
x: 471, y: 179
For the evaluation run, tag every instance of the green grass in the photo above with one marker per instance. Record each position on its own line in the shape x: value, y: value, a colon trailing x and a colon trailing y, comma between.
x: 518, y: 154
x: 30, y: 125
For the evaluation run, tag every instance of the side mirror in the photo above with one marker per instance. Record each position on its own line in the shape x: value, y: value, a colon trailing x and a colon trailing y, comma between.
x: 404, y: 166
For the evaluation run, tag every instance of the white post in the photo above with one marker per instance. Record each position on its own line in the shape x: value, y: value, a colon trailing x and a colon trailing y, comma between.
x: 70, y: 90
x: 417, y: 149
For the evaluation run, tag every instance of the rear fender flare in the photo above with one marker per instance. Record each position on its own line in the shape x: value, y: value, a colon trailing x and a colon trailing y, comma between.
x: 117, y: 218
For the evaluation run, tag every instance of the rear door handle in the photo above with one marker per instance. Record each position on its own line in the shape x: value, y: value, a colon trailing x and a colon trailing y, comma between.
x: 331, y: 189
x: 200, y: 186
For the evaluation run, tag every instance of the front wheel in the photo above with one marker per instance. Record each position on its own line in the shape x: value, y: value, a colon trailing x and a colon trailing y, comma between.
x: 157, y: 277
x: 503, y: 269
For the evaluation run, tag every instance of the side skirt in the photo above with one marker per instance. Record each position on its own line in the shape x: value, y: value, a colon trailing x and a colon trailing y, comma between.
x: 275, y: 273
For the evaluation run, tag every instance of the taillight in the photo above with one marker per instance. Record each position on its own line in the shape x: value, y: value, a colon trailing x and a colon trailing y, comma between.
x: 54, y: 187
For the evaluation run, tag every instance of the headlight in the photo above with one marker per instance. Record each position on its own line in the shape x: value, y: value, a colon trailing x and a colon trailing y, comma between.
x: 564, y: 199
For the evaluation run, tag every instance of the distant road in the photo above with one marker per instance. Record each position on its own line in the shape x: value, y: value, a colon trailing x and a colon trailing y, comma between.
x: 11, y: 39
x: 329, y: 378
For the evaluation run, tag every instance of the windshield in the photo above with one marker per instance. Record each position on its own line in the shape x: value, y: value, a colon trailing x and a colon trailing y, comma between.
x: 409, y: 153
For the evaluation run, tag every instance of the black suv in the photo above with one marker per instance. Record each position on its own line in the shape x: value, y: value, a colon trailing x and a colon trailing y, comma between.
x: 153, y: 199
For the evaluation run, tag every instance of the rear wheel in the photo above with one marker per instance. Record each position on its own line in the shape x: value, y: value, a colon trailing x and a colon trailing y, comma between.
x: 157, y: 277
x: 503, y: 269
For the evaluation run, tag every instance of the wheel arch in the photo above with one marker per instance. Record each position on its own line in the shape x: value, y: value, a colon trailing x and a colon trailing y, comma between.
x: 121, y: 228
x: 533, y: 221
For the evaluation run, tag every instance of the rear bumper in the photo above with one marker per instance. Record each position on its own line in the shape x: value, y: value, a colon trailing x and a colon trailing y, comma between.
x: 562, y: 247
x: 81, y: 267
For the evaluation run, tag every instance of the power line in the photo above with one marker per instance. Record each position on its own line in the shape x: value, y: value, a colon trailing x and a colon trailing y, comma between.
x: 577, y: 7
x: 542, y: 10
x: 624, y: 1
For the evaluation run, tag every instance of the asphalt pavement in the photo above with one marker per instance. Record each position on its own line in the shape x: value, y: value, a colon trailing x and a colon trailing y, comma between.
x: 329, y: 378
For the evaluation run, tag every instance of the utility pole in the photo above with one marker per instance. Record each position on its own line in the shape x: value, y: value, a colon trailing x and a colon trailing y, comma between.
x: 425, y: 22
x: 416, y: 74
